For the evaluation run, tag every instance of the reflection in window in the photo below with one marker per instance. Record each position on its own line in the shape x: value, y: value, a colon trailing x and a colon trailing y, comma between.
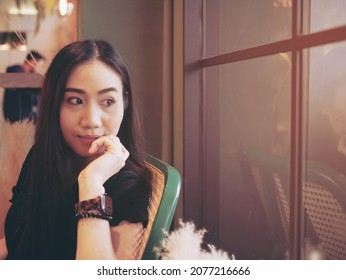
x: 327, y: 16
x: 324, y: 194
x: 327, y: 114
x: 248, y: 23
x: 255, y: 124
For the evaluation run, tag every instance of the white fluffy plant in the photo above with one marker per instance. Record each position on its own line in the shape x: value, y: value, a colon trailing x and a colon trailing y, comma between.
x: 185, y: 243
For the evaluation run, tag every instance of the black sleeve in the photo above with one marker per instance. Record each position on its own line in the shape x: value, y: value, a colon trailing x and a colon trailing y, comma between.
x: 130, y: 195
x: 23, y: 178
x: 14, y: 222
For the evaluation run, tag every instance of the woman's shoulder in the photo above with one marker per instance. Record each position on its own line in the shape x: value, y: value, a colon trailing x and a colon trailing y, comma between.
x: 127, y: 182
x: 24, y: 175
x: 130, y: 194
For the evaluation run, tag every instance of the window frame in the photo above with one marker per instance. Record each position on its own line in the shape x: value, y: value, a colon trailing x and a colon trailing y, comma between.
x: 197, y: 177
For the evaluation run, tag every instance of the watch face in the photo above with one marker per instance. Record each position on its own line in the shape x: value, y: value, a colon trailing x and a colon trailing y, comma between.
x: 106, y: 204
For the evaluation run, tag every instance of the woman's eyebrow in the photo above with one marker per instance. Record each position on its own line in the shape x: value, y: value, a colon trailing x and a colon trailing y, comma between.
x: 102, y: 91
x: 77, y: 90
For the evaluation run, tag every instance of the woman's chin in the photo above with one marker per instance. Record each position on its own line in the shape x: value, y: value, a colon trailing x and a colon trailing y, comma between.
x: 83, y: 153
x: 88, y: 157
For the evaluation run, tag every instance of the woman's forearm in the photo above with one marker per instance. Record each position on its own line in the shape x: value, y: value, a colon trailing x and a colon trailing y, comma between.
x: 94, y: 240
x: 93, y: 234
x: 3, y: 249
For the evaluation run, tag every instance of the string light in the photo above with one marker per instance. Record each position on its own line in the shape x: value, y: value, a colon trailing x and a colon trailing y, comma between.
x: 65, y: 8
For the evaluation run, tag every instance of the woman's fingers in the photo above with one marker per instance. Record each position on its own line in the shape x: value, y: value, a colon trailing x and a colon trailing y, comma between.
x: 111, y: 152
x: 94, y: 147
x: 109, y: 143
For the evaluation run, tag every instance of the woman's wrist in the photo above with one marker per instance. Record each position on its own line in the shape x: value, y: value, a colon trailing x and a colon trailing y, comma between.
x: 88, y: 187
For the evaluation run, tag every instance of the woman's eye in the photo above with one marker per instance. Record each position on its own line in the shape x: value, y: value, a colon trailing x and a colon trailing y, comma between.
x: 74, y: 100
x: 108, y: 102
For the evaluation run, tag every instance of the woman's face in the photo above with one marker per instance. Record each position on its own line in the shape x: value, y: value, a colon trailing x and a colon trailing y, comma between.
x: 92, y: 106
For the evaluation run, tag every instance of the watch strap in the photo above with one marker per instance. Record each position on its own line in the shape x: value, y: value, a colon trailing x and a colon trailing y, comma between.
x: 98, y: 207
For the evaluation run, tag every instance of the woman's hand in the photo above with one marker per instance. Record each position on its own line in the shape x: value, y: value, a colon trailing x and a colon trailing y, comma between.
x: 111, y: 158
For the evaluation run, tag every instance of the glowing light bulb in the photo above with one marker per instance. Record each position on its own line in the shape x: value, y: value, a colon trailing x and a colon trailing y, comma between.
x: 63, y: 7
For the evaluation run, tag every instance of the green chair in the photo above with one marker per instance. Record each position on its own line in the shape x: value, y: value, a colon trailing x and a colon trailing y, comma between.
x: 165, y: 194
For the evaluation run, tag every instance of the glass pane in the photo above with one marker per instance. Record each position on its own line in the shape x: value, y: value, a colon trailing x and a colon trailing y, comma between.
x: 327, y: 15
x: 325, y: 187
x: 254, y: 148
x: 245, y: 24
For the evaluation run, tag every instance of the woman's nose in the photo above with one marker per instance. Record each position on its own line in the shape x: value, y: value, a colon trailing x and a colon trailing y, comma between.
x: 91, y: 117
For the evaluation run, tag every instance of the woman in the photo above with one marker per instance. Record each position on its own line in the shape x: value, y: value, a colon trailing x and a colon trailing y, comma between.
x: 86, y: 160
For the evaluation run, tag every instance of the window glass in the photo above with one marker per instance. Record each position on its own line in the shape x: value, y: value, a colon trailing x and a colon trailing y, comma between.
x: 254, y: 146
x: 325, y: 189
x: 327, y: 16
x: 245, y: 24
x: 246, y: 144
x: 327, y: 114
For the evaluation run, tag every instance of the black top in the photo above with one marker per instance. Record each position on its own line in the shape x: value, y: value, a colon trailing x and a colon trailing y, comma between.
x: 130, y: 196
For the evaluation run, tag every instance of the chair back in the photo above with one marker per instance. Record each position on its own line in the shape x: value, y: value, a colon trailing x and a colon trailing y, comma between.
x: 166, y: 182
x: 266, y: 177
x: 324, y: 200
x: 325, y: 204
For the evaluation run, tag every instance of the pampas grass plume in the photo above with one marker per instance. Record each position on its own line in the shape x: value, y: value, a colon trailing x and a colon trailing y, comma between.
x: 185, y: 243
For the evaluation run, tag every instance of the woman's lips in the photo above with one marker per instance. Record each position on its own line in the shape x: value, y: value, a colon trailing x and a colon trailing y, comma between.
x: 87, y: 139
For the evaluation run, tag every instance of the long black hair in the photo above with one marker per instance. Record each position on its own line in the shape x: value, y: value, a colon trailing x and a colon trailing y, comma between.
x: 51, y: 170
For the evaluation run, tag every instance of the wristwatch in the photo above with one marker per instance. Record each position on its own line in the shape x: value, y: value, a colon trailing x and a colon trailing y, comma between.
x: 99, y: 207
